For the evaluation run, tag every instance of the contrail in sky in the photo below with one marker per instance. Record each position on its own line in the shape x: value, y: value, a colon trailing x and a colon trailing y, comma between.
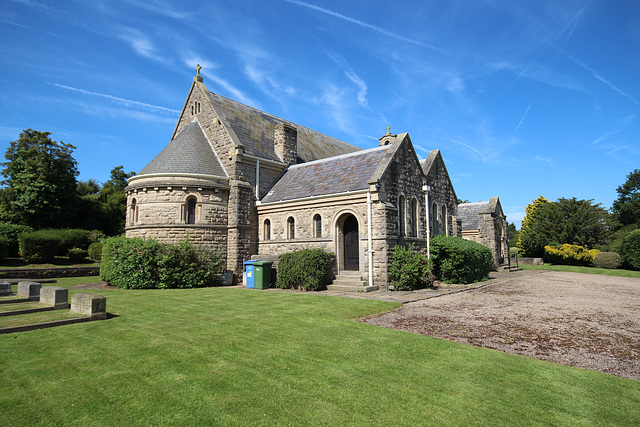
x: 597, y: 75
x: 118, y: 100
x: 522, y: 119
x: 365, y: 25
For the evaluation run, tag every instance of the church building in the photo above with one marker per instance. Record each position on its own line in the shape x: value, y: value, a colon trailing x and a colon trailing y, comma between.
x: 247, y: 183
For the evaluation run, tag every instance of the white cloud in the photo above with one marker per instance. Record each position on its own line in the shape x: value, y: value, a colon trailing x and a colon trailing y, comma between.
x: 362, y: 93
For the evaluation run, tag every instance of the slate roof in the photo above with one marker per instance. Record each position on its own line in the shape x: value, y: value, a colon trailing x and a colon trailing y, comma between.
x: 469, y: 214
x: 349, y: 172
x: 189, y: 152
x: 254, y: 129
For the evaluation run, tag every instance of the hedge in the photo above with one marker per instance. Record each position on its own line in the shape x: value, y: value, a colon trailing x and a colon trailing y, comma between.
x: 607, y: 260
x: 40, y: 246
x: 630, y: 250
x: 567, y: 254
x: 456, y: 260
x: 410, y: 269
x: 4, y: 247
x: 134, y: 263
x: 11, y: 233
x: 306, y: 269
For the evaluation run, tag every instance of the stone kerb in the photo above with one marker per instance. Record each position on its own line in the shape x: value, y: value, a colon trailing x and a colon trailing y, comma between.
x: 29, y: 290
x: 5, y: 289
x: 55, y: 296
x: 94, y: 306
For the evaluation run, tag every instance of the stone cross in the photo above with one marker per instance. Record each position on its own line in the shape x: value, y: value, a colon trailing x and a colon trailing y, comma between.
x: 198, y: 68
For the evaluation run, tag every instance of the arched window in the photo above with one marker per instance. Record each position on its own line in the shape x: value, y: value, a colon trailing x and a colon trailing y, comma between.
x: 414, y: 218
x: 133, y: 212
x: 191, y: 210
x: 267, y: 229
x: 401, y: 216
x: 443, y: 220
x: 291, y: 228
x: 434, y: 219
x: 317, y: 226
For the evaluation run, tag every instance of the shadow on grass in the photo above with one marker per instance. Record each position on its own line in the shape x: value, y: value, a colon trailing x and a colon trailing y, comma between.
x: 58, y: 261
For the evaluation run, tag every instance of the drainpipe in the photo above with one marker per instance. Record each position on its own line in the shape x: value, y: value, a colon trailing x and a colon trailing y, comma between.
x: 369, y: 240
x: 426, y: 190
x: 258, y: 179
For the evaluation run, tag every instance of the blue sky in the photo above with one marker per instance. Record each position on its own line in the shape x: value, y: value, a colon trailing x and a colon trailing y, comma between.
x: 523, y: 98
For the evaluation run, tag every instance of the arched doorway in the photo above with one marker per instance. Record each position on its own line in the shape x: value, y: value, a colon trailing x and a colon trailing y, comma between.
x: 351, y: 244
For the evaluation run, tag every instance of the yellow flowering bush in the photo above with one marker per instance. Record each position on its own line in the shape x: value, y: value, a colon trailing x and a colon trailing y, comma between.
x: 567, y: 254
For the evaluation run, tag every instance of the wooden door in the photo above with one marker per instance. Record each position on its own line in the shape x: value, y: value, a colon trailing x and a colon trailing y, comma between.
x: 351, y: 244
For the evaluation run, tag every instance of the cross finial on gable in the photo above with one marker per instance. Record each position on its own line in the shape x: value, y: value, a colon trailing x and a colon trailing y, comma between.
x: 198, y: 77
x: 388, y: 130
x: 198, y: 68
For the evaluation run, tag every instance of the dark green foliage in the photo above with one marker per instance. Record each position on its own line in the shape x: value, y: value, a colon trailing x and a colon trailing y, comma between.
x: 11, y: 233
x: 40, y: 246
x: 306, y: 269
x: 456, y: 260
x: 630, y: 251
x: 72, y: 238
x: 410, y: 269
x: 573, y: 221
x: 514, y: 235
x: 4, y: 247
x: 182, y: 266
x: 95, y: 251
x: 148, y: 264
x: 607, y: 260
x: 77, y: 254
x: 40, y: 181
x: 627, y: 206
x: 567, y: 254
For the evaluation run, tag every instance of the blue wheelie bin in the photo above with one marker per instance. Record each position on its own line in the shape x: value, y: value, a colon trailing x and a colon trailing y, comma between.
x: 249, y: 276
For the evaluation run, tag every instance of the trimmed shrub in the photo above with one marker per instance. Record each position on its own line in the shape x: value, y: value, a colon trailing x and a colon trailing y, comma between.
x: 306, y: 269
x: 72, y: 238
x: 134, y: 263
x: 96, y: 236
x: 410, y: 269
x: 95, y: 250
x: 630, y: 250
x: 456, y: 260
x: 183, y: 266
x: 11, y: 232
x: 567, y: 254
x: 40, y: 246
x: 77, y: 254
x: 607, y: 260
x: 4, y: 247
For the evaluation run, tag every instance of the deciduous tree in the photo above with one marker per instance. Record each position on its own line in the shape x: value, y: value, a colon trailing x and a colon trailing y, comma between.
x: 627, y: 206
x: 40, y: 181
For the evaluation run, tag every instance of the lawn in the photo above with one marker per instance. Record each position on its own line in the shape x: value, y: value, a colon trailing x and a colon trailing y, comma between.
x: 578, y: 269
x: 226, y: 356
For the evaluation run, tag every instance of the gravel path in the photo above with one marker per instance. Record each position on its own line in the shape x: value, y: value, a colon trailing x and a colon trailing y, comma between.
x: 584, y: 320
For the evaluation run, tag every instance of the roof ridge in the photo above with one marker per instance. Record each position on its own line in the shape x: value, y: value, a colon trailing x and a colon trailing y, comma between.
x: 341, y: 156
x: 297, y: 126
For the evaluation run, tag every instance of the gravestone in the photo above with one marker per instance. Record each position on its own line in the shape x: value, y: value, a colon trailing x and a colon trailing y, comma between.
x: 94, y: 306
x: 55, y: 296
x: 5, y: 289
x: 29, y: 290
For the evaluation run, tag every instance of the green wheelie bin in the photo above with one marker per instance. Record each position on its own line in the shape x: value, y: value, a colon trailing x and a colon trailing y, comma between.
x: 263, y: 274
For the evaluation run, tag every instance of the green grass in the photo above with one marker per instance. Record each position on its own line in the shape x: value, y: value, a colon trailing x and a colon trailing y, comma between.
x: 30, y: 319
x: 577, y: 269
x: 241, y: 357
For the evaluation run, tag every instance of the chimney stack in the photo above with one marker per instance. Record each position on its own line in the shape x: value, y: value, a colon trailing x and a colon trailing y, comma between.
x: 285, y: 141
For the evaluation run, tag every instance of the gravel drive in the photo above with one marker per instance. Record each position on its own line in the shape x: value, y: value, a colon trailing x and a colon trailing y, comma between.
x: 584, y: 320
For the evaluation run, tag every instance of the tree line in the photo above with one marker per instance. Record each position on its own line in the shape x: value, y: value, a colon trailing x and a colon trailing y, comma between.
x: 40, y: 188
x: 580, y: 222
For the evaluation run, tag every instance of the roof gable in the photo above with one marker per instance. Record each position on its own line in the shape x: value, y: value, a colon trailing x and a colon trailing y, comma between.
x: 430, y: 165
x: 189, y: 152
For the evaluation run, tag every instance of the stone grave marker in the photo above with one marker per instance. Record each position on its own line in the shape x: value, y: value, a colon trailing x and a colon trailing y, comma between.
x: 55, y: 296
x: 94, y: 306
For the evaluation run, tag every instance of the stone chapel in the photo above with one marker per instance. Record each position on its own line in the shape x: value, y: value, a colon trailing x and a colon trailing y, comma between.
x: 248, y: 184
